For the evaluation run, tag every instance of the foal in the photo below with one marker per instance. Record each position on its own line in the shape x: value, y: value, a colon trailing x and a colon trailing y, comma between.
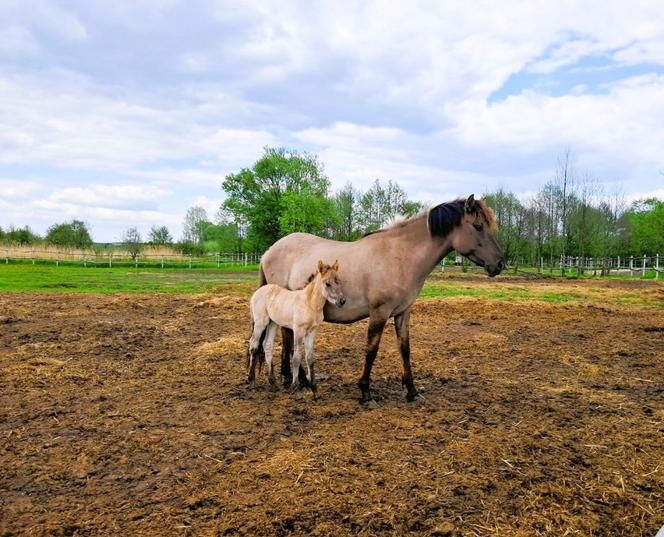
x: 301, y: 311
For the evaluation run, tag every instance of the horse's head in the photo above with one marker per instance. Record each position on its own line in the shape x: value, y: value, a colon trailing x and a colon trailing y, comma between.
x: 474, y: 237
x: 331, y: 287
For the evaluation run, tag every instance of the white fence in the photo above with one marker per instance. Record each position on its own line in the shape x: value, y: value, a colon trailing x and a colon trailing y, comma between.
x: 632, y: 265
x: 110, y: 259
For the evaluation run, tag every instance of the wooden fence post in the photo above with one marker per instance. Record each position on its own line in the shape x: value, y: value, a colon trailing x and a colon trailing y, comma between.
x: 643, y: 266
x: 657, y: 267
x: 631, y: 266
x: 162, y: 261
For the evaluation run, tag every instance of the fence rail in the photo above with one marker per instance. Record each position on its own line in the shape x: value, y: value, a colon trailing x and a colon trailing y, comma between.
x: 639, y: 266
x: 111, y: 259
x: 632, y: 265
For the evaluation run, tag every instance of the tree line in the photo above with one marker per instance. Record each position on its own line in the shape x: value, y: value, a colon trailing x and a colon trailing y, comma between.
x: 287, y: 191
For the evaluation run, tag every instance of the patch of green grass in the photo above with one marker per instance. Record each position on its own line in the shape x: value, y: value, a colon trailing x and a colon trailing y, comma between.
x: 68, y: 278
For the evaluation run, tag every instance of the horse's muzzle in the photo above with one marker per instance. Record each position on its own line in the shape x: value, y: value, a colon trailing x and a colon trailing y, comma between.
x: 340, y: 302
x: 494, y: 270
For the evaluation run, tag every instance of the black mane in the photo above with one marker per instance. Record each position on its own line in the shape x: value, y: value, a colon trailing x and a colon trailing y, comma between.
x: 445, y: 217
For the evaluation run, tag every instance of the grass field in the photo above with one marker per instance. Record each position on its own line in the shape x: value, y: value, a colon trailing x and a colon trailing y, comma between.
x: 26, y: 277
x: 68, y: 278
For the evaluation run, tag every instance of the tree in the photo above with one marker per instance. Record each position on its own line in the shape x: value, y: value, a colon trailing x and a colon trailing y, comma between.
x: 346, y: 204
x: 382, y: 203
x: 132, y: 242
x: 74, y: 234
x: 646, y: 227
x: 277, y: 195
x: 194, y: 224
x: 160, y: 235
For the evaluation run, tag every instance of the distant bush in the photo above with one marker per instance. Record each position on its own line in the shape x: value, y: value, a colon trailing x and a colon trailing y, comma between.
x: 74, y: 233
x: 21, y: 236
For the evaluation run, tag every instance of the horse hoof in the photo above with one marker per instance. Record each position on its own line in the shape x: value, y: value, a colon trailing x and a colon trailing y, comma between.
x: 410, y: 397
x: 370, y: 404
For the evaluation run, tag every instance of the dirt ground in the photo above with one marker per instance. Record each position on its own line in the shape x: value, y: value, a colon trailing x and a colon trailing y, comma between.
x: 129, y: 415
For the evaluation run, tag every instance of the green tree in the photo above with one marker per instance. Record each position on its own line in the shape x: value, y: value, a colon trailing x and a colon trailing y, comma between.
x: 308, y: 211
x: 346, y: 203
x: 160, y: 235
x: 74, y: 234
x: 646, y: 227
x: 267, y: 196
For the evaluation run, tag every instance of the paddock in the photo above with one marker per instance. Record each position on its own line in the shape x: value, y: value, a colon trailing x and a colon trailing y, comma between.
x: 129, y: 414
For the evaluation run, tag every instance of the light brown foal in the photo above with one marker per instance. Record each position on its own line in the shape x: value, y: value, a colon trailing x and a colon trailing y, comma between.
x: 300, y: 311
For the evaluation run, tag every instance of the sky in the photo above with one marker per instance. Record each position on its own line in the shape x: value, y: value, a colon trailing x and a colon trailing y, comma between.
x: 126, y: 113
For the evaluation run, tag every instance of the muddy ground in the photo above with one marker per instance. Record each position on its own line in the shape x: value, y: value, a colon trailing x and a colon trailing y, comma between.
x: 128, y: 415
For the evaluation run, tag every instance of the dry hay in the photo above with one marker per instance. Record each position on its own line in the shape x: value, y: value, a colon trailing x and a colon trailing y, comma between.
x: 129, y: 415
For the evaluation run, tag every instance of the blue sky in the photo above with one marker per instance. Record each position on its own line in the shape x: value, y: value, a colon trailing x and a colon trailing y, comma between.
x: 127, y: 113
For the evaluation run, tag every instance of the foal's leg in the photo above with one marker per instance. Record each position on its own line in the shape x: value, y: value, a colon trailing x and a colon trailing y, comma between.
x: 402, y: 328
x: 286, y: 352
x: 260, y: 323
x: 297, y: 359
x: 377, y: 320
x: 310, y: 358
x: 268, y: 345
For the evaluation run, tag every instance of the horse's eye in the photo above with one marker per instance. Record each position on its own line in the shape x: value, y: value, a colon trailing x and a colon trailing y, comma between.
x: 327, y: 284
x: 478, y: 227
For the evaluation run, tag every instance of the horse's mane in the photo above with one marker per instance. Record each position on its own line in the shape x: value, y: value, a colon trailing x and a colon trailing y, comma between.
x: 443, y: 218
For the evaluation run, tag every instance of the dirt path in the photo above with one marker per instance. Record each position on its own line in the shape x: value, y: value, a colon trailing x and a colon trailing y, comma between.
x: 129, y: 415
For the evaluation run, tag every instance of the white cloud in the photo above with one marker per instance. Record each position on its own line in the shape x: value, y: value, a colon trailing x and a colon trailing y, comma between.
x: 109, y: 195
x: 622, y: 123
x: 17, y: 188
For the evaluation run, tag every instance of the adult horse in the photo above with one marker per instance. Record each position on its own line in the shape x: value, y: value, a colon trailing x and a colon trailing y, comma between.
x: 383, y: 272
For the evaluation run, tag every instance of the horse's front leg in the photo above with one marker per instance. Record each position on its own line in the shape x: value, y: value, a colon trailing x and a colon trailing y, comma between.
x: 310, y: 357
x: 402, y: 328
x: 286, y: 350
x: 377, y: 320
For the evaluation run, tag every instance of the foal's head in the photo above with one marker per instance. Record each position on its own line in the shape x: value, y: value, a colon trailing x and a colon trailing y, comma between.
x: 331, y: 286
x: 471, y: 226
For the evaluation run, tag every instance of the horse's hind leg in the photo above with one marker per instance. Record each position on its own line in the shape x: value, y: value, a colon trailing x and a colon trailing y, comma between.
x: 268, y: 346
x: 402, y: 328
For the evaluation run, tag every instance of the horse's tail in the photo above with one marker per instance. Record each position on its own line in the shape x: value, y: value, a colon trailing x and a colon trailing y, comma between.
x: 262, y: 280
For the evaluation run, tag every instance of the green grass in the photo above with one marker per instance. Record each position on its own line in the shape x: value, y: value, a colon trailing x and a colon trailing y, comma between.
x: 240, y: 279
x: 69, y: 278
x: 453, y: 289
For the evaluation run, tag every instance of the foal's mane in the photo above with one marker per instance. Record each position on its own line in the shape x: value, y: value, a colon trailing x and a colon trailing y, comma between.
x: 443, y: 218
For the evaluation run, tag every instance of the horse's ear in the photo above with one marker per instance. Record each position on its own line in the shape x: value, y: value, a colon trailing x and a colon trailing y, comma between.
x: 335, y: 267
x: 470, y: 204
x: 321, y: 266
